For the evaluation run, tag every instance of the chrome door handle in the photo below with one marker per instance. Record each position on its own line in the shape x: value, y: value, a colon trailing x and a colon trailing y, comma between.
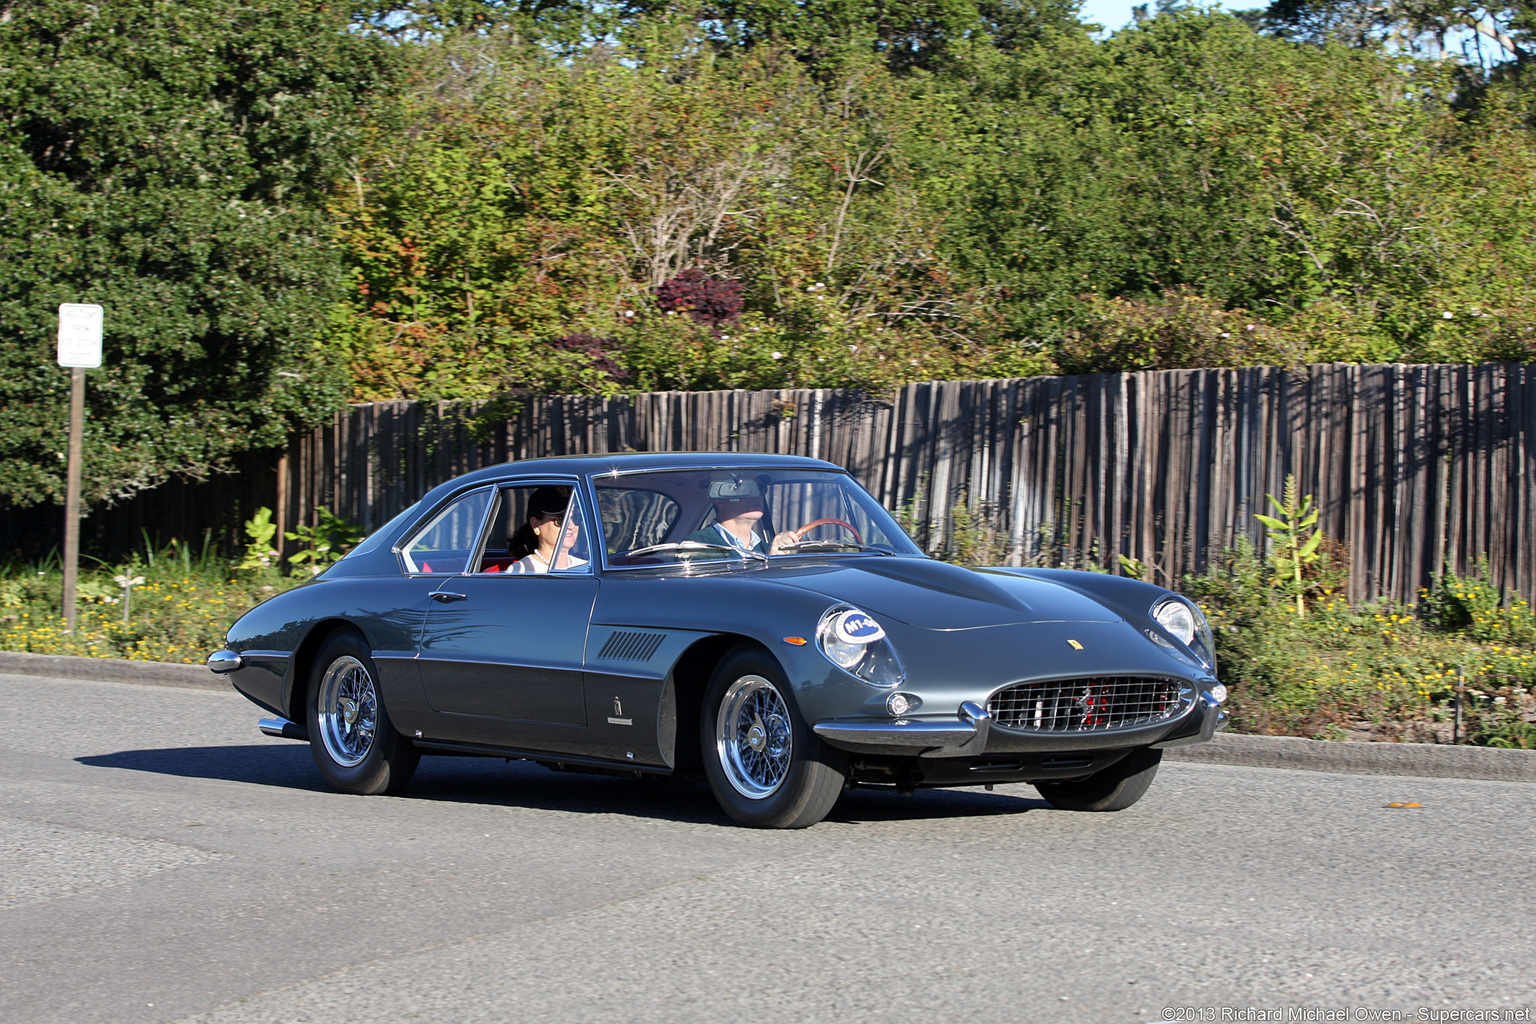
x: 445, y: 597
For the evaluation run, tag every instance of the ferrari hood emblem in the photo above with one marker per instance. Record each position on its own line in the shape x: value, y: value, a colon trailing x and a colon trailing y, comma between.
x: 1074, y: 645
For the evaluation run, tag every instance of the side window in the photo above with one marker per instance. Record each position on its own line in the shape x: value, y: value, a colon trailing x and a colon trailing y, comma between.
x: 536, y: 529
x: 634, y: 518
x: 573, y: 543
x: 446, y: 544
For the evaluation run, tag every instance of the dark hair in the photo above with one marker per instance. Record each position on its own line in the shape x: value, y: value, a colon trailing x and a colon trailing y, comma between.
x: 543, y: 503
x: 548, y: 502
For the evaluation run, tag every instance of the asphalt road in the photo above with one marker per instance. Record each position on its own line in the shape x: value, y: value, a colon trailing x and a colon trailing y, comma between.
x: 160, y: 860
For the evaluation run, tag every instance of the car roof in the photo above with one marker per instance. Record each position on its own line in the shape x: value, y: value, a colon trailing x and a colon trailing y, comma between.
x: 626, y: 462
x: 581, y: 465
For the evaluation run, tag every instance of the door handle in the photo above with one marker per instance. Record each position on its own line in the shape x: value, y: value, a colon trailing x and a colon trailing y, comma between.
x: 445, y: 597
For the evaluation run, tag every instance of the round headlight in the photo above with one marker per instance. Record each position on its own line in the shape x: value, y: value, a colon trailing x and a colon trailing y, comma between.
x: 843, y: 655
x: 1177, y: 618
x: 1185, y: 622
x: 856, y: 643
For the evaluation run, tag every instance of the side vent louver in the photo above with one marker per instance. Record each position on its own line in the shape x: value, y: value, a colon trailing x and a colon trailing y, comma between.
x: 625, y: 646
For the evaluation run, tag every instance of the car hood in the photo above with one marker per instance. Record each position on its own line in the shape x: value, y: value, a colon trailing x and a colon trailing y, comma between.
x: 937, y: 595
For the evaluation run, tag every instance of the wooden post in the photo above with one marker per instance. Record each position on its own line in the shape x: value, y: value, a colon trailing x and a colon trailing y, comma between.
x: 79, y: 348
x: 72, y: 494
x: 279, y: 542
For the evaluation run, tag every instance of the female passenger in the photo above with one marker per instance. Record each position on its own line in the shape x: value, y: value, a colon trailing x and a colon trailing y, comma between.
x: 542, y: 533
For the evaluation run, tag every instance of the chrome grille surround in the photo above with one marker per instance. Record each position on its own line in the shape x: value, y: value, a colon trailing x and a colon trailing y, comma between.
x: 1090, y: 704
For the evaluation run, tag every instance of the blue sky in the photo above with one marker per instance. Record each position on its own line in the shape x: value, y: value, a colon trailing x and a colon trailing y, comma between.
x: 1112, y: 14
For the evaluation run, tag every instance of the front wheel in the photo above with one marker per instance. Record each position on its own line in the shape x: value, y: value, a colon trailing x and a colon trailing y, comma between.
x: 765, y: 766
x: 350, y: 734
x: 1113, y: 789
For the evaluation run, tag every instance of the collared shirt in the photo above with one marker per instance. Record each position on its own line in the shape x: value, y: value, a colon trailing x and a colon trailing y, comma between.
x: 758, y: 541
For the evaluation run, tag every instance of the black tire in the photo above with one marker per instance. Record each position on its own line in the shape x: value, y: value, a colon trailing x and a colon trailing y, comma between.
x: 1113, y: 789
x: 354, y: 743
x: 765, y: 766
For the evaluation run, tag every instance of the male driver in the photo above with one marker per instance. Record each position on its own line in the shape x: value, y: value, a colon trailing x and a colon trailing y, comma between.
x: 738, y: 514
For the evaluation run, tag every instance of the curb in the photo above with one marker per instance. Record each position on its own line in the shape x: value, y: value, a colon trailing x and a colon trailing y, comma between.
x: 1424, y: 760
x: 110, y: 670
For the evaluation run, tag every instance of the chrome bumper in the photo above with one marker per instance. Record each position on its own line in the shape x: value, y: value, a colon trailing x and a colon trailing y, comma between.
x: 965, y: 736
x: 1214, y: 720
x: 224, y: 661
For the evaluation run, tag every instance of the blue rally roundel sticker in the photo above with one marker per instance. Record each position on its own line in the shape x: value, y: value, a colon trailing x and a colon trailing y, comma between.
x: 856, y: 627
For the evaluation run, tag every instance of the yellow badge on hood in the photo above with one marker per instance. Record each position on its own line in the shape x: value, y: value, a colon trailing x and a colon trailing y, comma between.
x: 1075, y: 645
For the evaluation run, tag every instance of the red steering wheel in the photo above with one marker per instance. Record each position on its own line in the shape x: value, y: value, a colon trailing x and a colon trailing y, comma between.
x: 808, y: 527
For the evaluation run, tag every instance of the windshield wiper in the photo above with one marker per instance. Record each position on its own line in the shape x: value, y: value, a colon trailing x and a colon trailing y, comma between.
x: 695, y: 545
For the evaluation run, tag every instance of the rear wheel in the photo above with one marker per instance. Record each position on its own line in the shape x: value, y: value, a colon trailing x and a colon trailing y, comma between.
x: 1113, y: 789
x: 765, y: 766
x: 350, y: 734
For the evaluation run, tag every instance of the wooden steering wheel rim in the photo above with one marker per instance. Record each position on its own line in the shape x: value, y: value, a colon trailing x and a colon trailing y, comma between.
x: 802, y: 531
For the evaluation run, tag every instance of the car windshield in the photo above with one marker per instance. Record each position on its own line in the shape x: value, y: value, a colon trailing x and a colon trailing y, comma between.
x: 749, y: 514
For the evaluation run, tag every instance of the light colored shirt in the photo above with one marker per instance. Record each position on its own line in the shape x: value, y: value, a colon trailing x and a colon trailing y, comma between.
x: 736, y: 542
x: 533, y: 563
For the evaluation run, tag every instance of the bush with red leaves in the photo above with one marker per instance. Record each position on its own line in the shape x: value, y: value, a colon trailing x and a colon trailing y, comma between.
x: 708, y: 300
x: 597, y: 350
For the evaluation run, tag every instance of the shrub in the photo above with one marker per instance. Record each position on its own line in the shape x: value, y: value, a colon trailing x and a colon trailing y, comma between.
x: 706, y: 300
x: 600, y: 354
x: 1385, y: 667
x: 180, y: 609
x: 1179, y: 329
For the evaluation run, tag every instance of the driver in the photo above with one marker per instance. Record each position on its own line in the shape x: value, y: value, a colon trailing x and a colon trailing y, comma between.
x: 738, y: 505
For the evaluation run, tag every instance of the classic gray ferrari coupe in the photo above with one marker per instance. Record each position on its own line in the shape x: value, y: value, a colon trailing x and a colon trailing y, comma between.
x: 759, y: 620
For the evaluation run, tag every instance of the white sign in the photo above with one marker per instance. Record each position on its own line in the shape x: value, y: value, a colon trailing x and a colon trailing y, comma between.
x: 80, y: 334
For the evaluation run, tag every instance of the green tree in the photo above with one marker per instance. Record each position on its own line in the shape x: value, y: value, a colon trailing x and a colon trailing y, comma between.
x: 1337, y: 194
x: 1486, y: 33
x: 168, y: 161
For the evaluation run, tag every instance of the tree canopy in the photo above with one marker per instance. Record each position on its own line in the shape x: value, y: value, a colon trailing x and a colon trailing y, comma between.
x: 289, y: 207
x: 169, y: 161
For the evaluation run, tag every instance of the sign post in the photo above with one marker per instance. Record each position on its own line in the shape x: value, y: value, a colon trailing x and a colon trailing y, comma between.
x: 80, y: 350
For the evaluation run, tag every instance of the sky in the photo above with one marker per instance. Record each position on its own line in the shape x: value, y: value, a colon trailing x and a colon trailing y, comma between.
x: 1112, y: 14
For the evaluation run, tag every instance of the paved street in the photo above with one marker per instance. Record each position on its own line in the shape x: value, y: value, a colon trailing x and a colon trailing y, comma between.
x: 160, y: 860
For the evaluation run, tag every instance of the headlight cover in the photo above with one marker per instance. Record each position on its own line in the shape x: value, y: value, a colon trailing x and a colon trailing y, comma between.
x: 852, y: 640
x: 1184, y: 621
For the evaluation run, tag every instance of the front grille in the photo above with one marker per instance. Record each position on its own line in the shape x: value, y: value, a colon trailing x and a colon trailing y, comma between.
x: 1086, y: 705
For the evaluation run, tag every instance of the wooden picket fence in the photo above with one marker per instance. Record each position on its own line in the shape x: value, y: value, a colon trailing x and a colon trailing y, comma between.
x: 1414, y: 467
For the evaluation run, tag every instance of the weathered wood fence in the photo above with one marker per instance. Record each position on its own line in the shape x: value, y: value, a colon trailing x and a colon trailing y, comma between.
x: 1414, y: 467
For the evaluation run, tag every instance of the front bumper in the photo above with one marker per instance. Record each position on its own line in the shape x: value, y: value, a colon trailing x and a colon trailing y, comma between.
x: 972, y: 733
x: 963, y: 736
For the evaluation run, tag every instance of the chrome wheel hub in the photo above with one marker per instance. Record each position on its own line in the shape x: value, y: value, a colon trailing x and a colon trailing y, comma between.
x: 348, y: 707
x: 754, y: 737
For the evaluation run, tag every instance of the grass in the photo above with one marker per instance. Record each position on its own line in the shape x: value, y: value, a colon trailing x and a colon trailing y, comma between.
x: 178, y: 611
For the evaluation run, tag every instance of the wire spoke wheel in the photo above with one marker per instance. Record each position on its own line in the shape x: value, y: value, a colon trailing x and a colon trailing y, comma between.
x: 348, y: 706
x: 356, y: 746
x: 754, y: 738
x: 765, y: 765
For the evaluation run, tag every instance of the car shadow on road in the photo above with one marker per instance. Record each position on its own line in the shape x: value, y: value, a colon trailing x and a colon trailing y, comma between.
x: 524, y: 784
x: 494, y: 782
x: 290, y: 766
x: 872, y: 805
